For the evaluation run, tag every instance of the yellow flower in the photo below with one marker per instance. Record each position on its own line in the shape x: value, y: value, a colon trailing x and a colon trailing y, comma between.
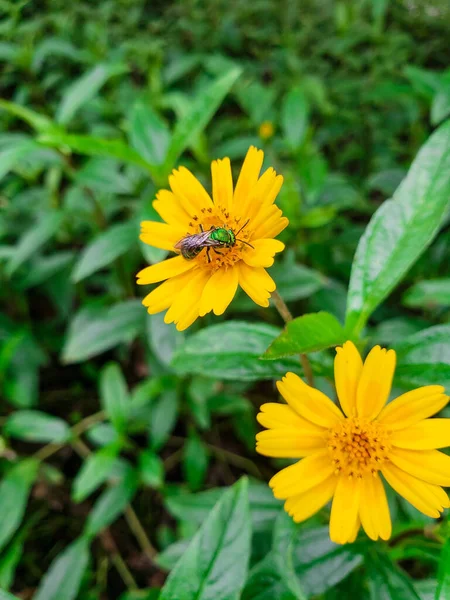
x: 345, y: 452
x: 266, y: 130
x: 208, y: 281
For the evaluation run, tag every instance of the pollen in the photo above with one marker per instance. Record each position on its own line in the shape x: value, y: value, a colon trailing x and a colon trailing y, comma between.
x: 358, y: 447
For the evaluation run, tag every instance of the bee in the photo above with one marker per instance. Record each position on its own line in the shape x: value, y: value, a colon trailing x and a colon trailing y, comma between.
x: 217, y: 237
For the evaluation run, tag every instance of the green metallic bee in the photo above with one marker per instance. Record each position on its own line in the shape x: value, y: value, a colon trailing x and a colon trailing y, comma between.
x: 217, y: 237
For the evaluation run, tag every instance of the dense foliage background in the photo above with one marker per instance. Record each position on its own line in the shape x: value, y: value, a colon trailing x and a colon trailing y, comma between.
x: 116, y: 431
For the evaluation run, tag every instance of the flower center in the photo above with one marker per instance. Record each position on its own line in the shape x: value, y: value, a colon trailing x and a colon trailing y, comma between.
x: 358, y: 447
x: 220, y: 255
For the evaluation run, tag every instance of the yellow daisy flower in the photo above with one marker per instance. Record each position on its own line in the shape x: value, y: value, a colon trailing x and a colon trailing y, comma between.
x: 345, y: 451
x: 208, y: 280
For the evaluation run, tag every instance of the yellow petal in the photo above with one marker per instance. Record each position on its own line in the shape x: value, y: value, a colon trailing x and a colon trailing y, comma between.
x: 425, y: 435
x: 413, y: 407
x: 248, y: 178
x: 375, y: 382
x: 347, y: 371
x: 192, y: 195
x: 263, y: 194
x: 185, y: 307
x: 273, y: 224
x: 222, y: 183
x: 344, y: 510
x: 161, y: 235
x: 164, y: 270
x: 428, y: 498
x: 305, y: 474
x: 274, y: 416
x: 308, y: 402
x: 169, y: 208
x: 262, y: 253
x: 374, y: 508
x: 164, y: 295
x: 288, y: 442
x: 219, y: 291
x: 430, y: 465
x: 303, y: 506
x: 355, y: 531
x: 256, y: 283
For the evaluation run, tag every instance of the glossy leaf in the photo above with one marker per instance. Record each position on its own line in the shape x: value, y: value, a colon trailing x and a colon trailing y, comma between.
x: 215, y: 564
x: 429, y: 293
x: 401, y: 229
x: 36, y: 426
x: 231, y: 351
x: 163, y: 417
x: 294, y: 117
x: 267, y: 582
x: 62, y: 580
x: 387, y: 581
x: 95, y: 470
x: 114, y: 395
x: 308, y: 333
x: 149, y: 135
x: 195, y: 461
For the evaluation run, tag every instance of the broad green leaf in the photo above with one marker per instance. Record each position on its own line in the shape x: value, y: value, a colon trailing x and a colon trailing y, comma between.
x: 9, y: 561
x: 62, y: 580
x: 14, y: 490
x: 424, y: 358
x: 202, y: 109
x: 13, y: 156
x: 149, y: 135
x: 50, y: 47
x: 195, y: 461
x: 92, y: 332
x: 386, y: 581
x: 45, y: 267
x: 162, y: 418
x: 440, y: 107
x: 429, y: 293
x: 114, y: 395
x: 95, y: 470
x: 214, y: 567
x: 443, y: 588
x: 294, y: 117
x: 36, y: 426
x: 5, y: 596
x: 163, y: 338
x: 264, y: 508
x: 39, y: 122
x: 169, y: 557
x: 401, y: 229
x: 33, y: 239
x: 111, y: 504
x: 267, y: 582
x: 231, y: 351
x: 104, y: 175
x: 84, y: 89
x: 308, y: 333
x: 151, y: 469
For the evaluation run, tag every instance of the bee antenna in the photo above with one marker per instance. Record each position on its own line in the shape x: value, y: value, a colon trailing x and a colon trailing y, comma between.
x: 238, y: 232
x: 244, y: 242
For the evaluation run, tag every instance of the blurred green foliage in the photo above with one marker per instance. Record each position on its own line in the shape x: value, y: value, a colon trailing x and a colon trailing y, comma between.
x: 118, y: 432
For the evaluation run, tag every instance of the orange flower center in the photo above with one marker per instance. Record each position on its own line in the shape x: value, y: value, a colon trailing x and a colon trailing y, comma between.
x: 358, y: 447
x: 221, y: 256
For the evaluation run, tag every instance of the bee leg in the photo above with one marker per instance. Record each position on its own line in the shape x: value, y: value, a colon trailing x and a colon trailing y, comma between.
x: 201, y: 227
x: 217, y: 252
x: 207, y: 254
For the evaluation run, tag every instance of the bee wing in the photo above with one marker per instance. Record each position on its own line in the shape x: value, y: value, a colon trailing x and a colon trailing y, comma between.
x: 193, y: 241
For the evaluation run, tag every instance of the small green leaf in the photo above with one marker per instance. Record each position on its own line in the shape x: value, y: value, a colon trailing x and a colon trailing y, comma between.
x: 39, y: 122
x: 33, y: 239
x: 114, y: 395
x: 149, y: 135
x: 151, y: 469
x: 443, y: 588
x: 203, y: 107
x: 14, y: 490
x: 440, y: 107
x: 309, y: 333
x: 163, y: 418
x: 36, y: 426
x: 14, y: 155
x: 5, y: 596
x: 62, y: 580
x: 94, y: 471
x: 386, y: 580
x: 195, y: 461
x: 216, y: 561
x: 267, y: 582
x: 163, y: 338
x: 401, y: 229
x: 231, y: 351
x: 294, y: 117
x: 92, y: 332
x: 429, y: 293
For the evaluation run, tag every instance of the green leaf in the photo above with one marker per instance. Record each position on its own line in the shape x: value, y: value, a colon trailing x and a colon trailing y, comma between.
x: 216, y: 561
x: 231, y: 351
x: 149, y: 135
x: 92, y: 332
x: 424, y: 358
x: 163, y: 418
x: 5, y: 596
x: 13, y: 156
x: 163, y: 338
x: 386, y: 580
x: 111, y: 503
x: 264, y: 508
x: 429, y: 293
x: 202, y: 109
x: 84, y: 89
x: 195, y: 461
x: 440, y: 107
x: 151, y: 469
x: 36, y: 426
x: 39, y: 122
x: 33, y: 239
x: 443, y: 588
x: 308, y: 333
x: 401, y: 229
x: 95, y: 470
x: 14, y: 490
x: 294, y: 117
x: 267, y: 582
x: 62, y: 580
x: 114, y: 395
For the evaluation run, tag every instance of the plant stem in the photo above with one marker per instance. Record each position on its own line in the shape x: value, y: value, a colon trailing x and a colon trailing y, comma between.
x: 286, y: 315
x: 139, y: 533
